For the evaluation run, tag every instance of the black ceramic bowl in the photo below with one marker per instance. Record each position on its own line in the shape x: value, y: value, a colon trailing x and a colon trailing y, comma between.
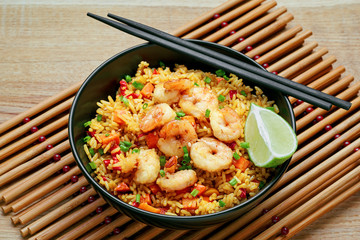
x: 104, y: 81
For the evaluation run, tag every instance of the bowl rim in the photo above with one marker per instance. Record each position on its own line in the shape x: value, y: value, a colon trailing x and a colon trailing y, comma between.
x: 103, y: 191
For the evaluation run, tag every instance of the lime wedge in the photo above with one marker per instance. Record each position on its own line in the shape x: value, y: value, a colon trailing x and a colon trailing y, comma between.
x: 271, y: 139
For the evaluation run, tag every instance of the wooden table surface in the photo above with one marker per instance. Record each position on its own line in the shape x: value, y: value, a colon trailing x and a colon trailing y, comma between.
x: 46, y: 46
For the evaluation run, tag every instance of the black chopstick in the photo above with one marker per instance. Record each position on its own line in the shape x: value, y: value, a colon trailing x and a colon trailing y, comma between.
x: 216, y: 63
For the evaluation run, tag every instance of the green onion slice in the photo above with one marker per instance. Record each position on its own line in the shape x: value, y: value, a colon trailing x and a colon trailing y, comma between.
x: 126, y: 143
x: 207, y: 80
x: 261, y: 184
x: 162, y: 64
x: 194, y: 192
x: 86, y: 139
x: 128, y: 78
x: 196, y: 84
x: 180, y: 114
x: 138, y: 85
x: 233, y: 182
x: 106, y: 135
x: 221, y: 203
x: 124, y: 100
x: 244, y: 145
x: 162, y: 160
x: 185, y: 150
x: 138, y: 198
x: 226, y: 78
x: 145, y: 105
x: 101, y: 151
x: 207, y: 113
x: 135, y: 150
x: 92, y: 165
x: 91, y: 151
x: 99, y: 117
x: 221, y: 98
x: 220, y: 73
x: 177, y: 118
x: 162, y: 173
x: 236, y: 156
x: 87, y: 124
x: 243, y: 93
x: 124, y: 148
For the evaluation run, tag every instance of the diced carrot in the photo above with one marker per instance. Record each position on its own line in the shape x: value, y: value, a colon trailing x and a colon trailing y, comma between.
x: 241, y: 164
x: 108, y: 139
x: 145, y: 199
x: 122, y: 187
x: 182, y: 191
x: 206, y: 199
x: 219, y: 79
x: 147, y: 90
x: 190, y: 119
x: 201, y: 189
x: 147, y: 207
x: 170, y: 165
x: 189, y: 203
x: 155, y: 188
x: 116, y: 116
x: 152, y: 139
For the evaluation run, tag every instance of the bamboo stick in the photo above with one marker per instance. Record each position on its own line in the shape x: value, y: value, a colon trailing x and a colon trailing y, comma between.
x: 103, y: 231
x: 253, y: 27
x: 150, y: 233
x: 52, y: 112
x: 88, y: 224
x: 7, y: 208
x: 225, y: 18
x: 129, y: 231
x: 284, y: 48
x: 174, y: 234
x: 40, y: 107
x: 67, y: 221
x: 265, y: 32
x: 303, y: 63
x: 19, y: 187
x: 275, y: 41
x: 205, y: 17
x: 307, y: 207
x: 292, y: 57
x: 31, y: 164
x: 16, y: 146
x: 241, y: 21
x: 50, y: 201
x: 32, y: 152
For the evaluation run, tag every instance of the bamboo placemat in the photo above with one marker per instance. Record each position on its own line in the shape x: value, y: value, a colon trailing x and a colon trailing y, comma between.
x: 320, y: 170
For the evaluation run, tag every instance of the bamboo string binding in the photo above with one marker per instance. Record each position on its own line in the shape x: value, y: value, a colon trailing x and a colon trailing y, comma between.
x: 48, y: 204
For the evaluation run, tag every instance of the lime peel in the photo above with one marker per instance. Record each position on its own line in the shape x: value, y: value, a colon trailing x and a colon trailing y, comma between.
x: 271, y: 139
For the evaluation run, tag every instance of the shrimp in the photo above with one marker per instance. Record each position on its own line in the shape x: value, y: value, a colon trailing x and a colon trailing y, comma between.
x: 174, y: 136
x: 211, y: 155
x: 226, y: 124
x: 177, y: 181
x: 170, y: 92
x: 156, y: 117
x: 148, y: 167
x: 197, y: 101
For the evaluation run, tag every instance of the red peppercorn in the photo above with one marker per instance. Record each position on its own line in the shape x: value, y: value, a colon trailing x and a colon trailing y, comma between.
x: 216, y: 15
x: 83, y: 189
x: 337, y: 136
x: 346, y: 143
x: 294, y: 104
x: 42, y: 139
x: 224, y: 24
x: 34, y: 129
x: 284, y: 231
x: 356, y: 149
x: 328, y: 127
x: 256, y: 57
x: 241, y: 39
x: 232, y: 32
x: 265, y: 211
x: 66, y: 168
x: 99, y: 210
x: 26, y: 120
x: 299, y: 101
x: 265, y: 65
x: 57, y: 157
x: 48, y: 147
x: 74, y: 178
x: 319, y: 118
x: 91, y: 199
x: 275, y: 219
x: 116, y: 231
x: 107, y: 220
x: 249, y: 48
x: 274, y: 72
x: 309, y: 110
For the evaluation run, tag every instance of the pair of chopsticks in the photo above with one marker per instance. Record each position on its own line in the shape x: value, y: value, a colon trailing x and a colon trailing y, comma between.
x: 229, y: 64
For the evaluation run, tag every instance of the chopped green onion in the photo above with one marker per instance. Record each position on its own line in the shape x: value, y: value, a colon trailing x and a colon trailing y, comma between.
x: 106, y: 135
x: 86, y: 139
x: 138, y: 85
x: 207, y: 80
x: 128, y: 78
x: 91, y: 151
x: 194, y: 192
x: 87, y: 124
x: 135, y: 150
x: 207, y: 113
x: 177, y: 118
x: 145, y: 105
x: 126, y: 143
x: 138, y: 198
x: 185, y: 150
x: 99, y: 117
x: 243, y: 93
x: 184, y: 167
x: 221, y: 98
x: 244, y: 145
x: 220, y: 73
x: 162, y: 64
x: 221, y: 203
x: 124, y: 100
x: 92, y: 165
x: 124, y: 148
x: 196, y: 84
x: 271, y: 108
x: 180, y: 114
x: 221, y: 107
x: 162, y: 161
x: 162, y: 173
x: 236, y: 156
x: 261, y: 184
x: 186, y: 157
x: 101, y: 151
x: 226, y: 78
x: 88, y: 168
x: 233, y: 182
